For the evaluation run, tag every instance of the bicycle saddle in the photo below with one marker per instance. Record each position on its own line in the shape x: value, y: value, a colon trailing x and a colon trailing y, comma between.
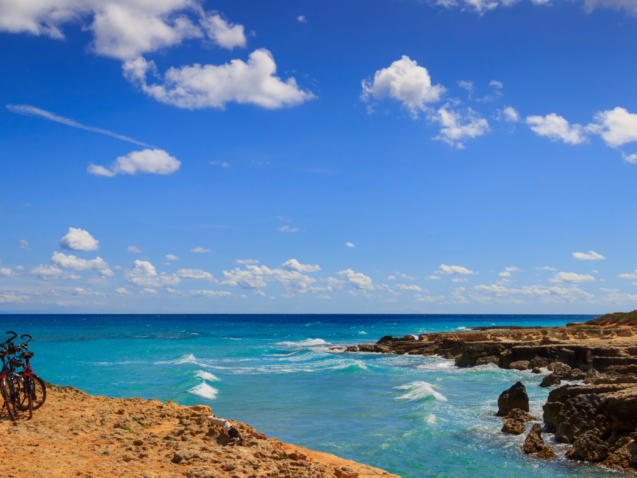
x: 27, y: 355
x: 16, y: 363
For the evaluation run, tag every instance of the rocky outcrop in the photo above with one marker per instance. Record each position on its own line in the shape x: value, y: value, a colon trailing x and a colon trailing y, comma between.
x: 513, y: 426
x: 534, y: 442
x: 515, y: 397
x: 79, y: 435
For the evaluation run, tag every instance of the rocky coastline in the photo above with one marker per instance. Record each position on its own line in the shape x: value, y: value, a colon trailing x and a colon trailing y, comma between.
x: 78, y: 435
x: 597, y: 417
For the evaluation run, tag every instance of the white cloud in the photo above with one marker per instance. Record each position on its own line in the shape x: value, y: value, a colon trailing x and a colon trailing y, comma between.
x: 79, y: 240
x: 71, y: 262
x: 406, y: 82
x: 51, y: 272
x: 591, y: 256
x: 357, y: 279
x: 482, y: 6
x: 121, y: 29
x: 24, y: 244
x: 457, y: 295
x: 556, y: 293
x: 629, y: 276
x: 288, y: 229
x: 33, y: 111
x: 505, y: 274
x: 444, y: 269
x: 459, y: 125
x: 302, y: 19
x: 432, y: 278
x: 4, y: 272
x: 509, y: 114
x: 616, y: 127
x: 123, y: 291
x: 170, y: 257
x: 391, y: 277
x: 246, y: 261
x: 256, y: 277
x: 630, y: 158
x: 223, y: 33
x: 200, y: 250
x: 349, y: 244
x: 134, y: 249
x: 507, y: 271
x: 325, y: 297
x: 212, y: 86
x: 466, y: 85
x: 496, y: 84
x: 196, y: 274
x: 148, y: 290
x: 428, y: 298
x: 414, y: 288
x: 557, y: 128
x: 294, y: 265
x: 571, y: 277
x: 459, y: 279
x: 149, y: 161
x: 143, y: 274
x: 11, y: 298
x: 211, y: 293
x: 259, y: 293
x: 546, y: 268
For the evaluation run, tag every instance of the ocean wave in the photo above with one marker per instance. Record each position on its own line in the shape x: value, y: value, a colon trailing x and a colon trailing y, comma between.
x: 462, y: 328
x: 204, y: 390
x: 207, y: 376
x: 184, y: 360
x: 356, y: 363
x: 304, y: 343
x: 419, y: 390
x: 430, y: 418
x: 110, y: 364
x: 437, y: 366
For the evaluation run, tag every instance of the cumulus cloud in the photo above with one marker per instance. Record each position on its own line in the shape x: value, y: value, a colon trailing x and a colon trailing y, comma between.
x: 134, y: 249
x: 211, y: 293
x: 557, y: 128
x: 71, y: 262
x: 431, y: 278
x: 24, y: 245
x: 507, y: 271
x: 591, y: 256
x: 406, y: 82
x: 444, y: 269
x: 288, y: 229
x: 122, y: 29
x: 414, y: 288
x: 294, y: 265
x: 246, y: 261
x: 546, y: 268
x: 459, y: 279
x: 571, y: 277
x: 349, y: 244
x: 357, y: 279
x: 79, y: 240
x: 632, y: 275
x: 143, y: 274
x: 200, y: 250
x: 52, y: 272
x: 123, y: 291
x: 256, y: 277
x: 33, y: 111
x: 459, y: 125
x: 301, y: 19
x: 4, y: 272
x: 616, y: 127
x: 509, y: 114
x: 171, y: 257
x: 196, y: 274
x: 483, y: 6
x: 213, y: 86
x: 149, y: 161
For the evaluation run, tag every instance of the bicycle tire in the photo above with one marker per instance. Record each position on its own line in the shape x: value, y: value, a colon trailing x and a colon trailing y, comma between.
x: 38, y: 391
x: 7, y: 404
x: 20, y: 399
x: 15, y: 387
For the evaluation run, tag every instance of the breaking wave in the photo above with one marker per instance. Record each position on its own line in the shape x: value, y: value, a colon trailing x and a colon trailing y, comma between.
x: 204, y: 390
x: 304, y: 343
x: 418, y: 390
x: 207, y: 376
x: 185, y: 359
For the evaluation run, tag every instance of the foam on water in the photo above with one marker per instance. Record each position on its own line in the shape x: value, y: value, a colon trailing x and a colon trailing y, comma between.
x: 186, y: 359
x: 207, y: 376
x: 204, y: 390
x: 304, y: 343
x: 419, y: 390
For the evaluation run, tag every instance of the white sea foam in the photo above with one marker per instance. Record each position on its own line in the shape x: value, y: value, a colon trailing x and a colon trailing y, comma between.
x: 440, y: 365
x: 207, y: 376
x: 205, y: 391
x: 420, y: 390
x: 431, y: 419
x: 305, y: 343
x: 362, y: 332
x: 462, y: 328
x: 183, y: 360
x: 355, y: 363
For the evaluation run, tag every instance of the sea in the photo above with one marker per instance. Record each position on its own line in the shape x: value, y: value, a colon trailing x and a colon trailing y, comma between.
x: 414, y: 416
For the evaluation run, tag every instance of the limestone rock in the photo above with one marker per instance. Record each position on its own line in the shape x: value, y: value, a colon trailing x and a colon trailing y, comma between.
x: 521, y: 415
x: 550, y: 380
x: 539, y: 362
x: 534, y: 442
x: 546, y: 453
x: 588, y: 447
x: 514, y: 397
x: 513, y: 426
x: 520, y: 365
x: 558, y: 367
x: 536, y: 370
x: 487, y: 360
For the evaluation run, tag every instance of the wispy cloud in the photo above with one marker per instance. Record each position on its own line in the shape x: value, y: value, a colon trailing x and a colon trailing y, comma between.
x: 33, y: 111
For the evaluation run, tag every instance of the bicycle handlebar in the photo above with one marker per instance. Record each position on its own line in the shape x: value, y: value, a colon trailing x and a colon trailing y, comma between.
x: 8, y: 341
x: 27, y: 342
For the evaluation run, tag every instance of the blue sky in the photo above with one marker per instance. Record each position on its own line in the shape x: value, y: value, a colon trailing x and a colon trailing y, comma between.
x: 316, y: 157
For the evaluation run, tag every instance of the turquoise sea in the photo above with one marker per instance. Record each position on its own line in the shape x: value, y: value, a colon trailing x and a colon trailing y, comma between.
x: 411, y: 415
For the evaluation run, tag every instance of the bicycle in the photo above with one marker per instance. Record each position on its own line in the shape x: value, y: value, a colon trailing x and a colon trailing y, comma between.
x: 34, y: 389
x: 6, y: 384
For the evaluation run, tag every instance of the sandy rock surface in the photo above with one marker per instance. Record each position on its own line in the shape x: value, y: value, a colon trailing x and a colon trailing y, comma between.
x: 78, y: 435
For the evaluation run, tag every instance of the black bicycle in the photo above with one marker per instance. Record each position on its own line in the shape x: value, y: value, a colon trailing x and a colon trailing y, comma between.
x: 7, y: 348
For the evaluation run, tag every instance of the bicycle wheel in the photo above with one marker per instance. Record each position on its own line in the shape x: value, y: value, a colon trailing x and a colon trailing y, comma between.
x: 7, y: 402
x: 20, y: 395
x: 14, y: 390
x: 38, y: 391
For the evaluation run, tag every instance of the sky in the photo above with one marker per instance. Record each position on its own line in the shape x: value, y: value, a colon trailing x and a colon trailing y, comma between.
x: 295, y: 156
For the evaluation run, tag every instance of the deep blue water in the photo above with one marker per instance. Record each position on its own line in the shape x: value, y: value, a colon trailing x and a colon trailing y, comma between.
x: 411, y: 415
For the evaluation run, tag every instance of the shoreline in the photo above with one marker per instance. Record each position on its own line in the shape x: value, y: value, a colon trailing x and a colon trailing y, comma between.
x: 597, y: 417
x: 77, y: 434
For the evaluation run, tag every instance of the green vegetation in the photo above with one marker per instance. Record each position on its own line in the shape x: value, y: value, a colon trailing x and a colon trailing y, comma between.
x: 617, y: 318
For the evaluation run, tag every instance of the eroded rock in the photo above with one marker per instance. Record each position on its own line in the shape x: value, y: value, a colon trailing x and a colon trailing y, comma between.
x: 514, y: 397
